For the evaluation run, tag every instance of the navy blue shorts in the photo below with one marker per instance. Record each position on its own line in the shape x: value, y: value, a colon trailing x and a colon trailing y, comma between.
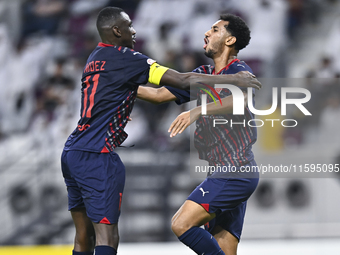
x: 227, y: 198
x: 94, y: 181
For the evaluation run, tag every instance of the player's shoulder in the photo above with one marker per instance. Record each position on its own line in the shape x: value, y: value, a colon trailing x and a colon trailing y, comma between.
x: 129, y: 52
x: 135, y: 56
x: 121, y: 50
x: 240, y: 65
x: 205, y: 69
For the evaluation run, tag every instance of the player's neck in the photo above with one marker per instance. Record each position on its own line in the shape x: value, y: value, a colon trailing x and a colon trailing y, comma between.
x: 223, y: 60
x: 110, y: 41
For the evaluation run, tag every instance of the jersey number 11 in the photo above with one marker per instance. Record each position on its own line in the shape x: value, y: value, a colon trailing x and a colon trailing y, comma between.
x: 88, y: 108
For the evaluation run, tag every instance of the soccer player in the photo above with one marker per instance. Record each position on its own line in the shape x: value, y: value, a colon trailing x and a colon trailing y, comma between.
x: 219, y: 202
x: 93, y: 172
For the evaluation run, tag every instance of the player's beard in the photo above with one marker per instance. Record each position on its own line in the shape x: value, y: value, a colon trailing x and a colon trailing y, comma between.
x: 210, y: 53
x: 215, y: 49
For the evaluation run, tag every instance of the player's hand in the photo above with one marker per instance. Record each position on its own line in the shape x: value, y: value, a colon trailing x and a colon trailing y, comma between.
x: 184, y: 120
x: 246, y: 79
x: 129, y: 119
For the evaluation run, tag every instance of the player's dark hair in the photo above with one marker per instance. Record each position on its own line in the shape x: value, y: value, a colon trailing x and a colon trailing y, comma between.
x: 108, y: 16
x: 237, y: 27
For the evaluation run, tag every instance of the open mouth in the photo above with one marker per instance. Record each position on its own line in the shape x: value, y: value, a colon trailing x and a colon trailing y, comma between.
x: 206, y: 41
x: 134, y: 39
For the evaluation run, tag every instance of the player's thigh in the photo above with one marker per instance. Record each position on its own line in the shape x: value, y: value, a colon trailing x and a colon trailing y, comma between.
x: 85, y: 235
x: 226, y: 240
x: 74, y: 194
x: 101, y: 179
x: 81, y: 221
x: 189, y: 215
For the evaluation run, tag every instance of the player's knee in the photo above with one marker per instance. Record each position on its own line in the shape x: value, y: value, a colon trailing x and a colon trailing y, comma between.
x: 107, y: 235
x: 179, y: 227
x: 111, y: 239
x: 85, y: 240
x: 115, y: 236
x: 114, y: 240
x: 83, y: 236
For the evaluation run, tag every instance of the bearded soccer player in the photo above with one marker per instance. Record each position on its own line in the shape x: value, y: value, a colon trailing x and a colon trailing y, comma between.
x: 219, y: 202
x: 93, y: 172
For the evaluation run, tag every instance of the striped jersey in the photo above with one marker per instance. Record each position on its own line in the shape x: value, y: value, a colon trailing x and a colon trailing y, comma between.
x: 109, y: 88
x: 223, y: 144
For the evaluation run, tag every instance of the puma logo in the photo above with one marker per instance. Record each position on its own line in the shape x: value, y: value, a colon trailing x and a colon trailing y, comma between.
x: 204, y: 192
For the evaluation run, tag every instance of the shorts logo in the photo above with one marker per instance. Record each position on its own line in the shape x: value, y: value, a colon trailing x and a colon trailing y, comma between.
x: 204, y: 192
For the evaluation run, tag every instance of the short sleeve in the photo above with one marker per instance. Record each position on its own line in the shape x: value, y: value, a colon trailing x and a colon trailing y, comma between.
x: 184, y: 96
x: 137, y: 66
x: 239, y: 67
x: 242, y: 66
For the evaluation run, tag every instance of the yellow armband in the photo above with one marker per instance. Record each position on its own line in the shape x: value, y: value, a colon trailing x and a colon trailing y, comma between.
x: 156, y: 72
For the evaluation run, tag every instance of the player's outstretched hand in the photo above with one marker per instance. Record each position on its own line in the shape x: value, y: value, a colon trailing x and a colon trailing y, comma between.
x: 247, y: 79
x: 180, y: 124
x: 184, y: 120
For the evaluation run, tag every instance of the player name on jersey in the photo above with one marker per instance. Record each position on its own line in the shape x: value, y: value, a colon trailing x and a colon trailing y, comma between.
x: 95, y: 66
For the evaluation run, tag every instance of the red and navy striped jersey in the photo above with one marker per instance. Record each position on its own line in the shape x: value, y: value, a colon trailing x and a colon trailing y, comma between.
x: 109, y: 87
x: 222, y: 144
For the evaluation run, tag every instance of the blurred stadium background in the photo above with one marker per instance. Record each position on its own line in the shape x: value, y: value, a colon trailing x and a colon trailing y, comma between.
x: 43, y: 47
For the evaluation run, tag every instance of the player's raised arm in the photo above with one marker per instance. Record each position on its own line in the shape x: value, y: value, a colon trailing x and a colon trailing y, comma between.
x: 155, y: 95
x: 184, y: 81
x: 185, y: 119
x: 164, y: 76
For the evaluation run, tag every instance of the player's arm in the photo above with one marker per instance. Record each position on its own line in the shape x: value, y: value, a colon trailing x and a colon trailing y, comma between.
x: 161, y: 75
x: 155, y: 95
x: 185, y: 119
x: 218, y: 109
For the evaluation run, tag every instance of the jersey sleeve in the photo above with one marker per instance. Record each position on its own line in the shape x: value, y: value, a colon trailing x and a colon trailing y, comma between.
x: 184, y: 96
x: 141, y: 69
x: 137, y: 67
x: 242, y: 66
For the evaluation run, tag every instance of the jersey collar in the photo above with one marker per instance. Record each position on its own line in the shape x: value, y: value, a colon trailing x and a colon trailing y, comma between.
x: 226, y: 68
x: 105, y: 45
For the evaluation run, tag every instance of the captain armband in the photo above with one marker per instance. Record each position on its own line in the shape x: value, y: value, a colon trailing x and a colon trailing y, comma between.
x: 156, y: 72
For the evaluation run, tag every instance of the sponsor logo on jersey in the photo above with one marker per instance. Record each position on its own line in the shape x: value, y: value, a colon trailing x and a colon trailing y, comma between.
x: 83, y: 127
x: 150, y: 61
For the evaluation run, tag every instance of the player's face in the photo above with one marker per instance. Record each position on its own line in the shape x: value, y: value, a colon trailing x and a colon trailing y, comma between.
x: 214, y: 41
x: 128, y: 38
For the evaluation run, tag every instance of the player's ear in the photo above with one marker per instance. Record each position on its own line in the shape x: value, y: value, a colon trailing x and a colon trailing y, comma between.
x: 116, y: 31
x: 230, y: 40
